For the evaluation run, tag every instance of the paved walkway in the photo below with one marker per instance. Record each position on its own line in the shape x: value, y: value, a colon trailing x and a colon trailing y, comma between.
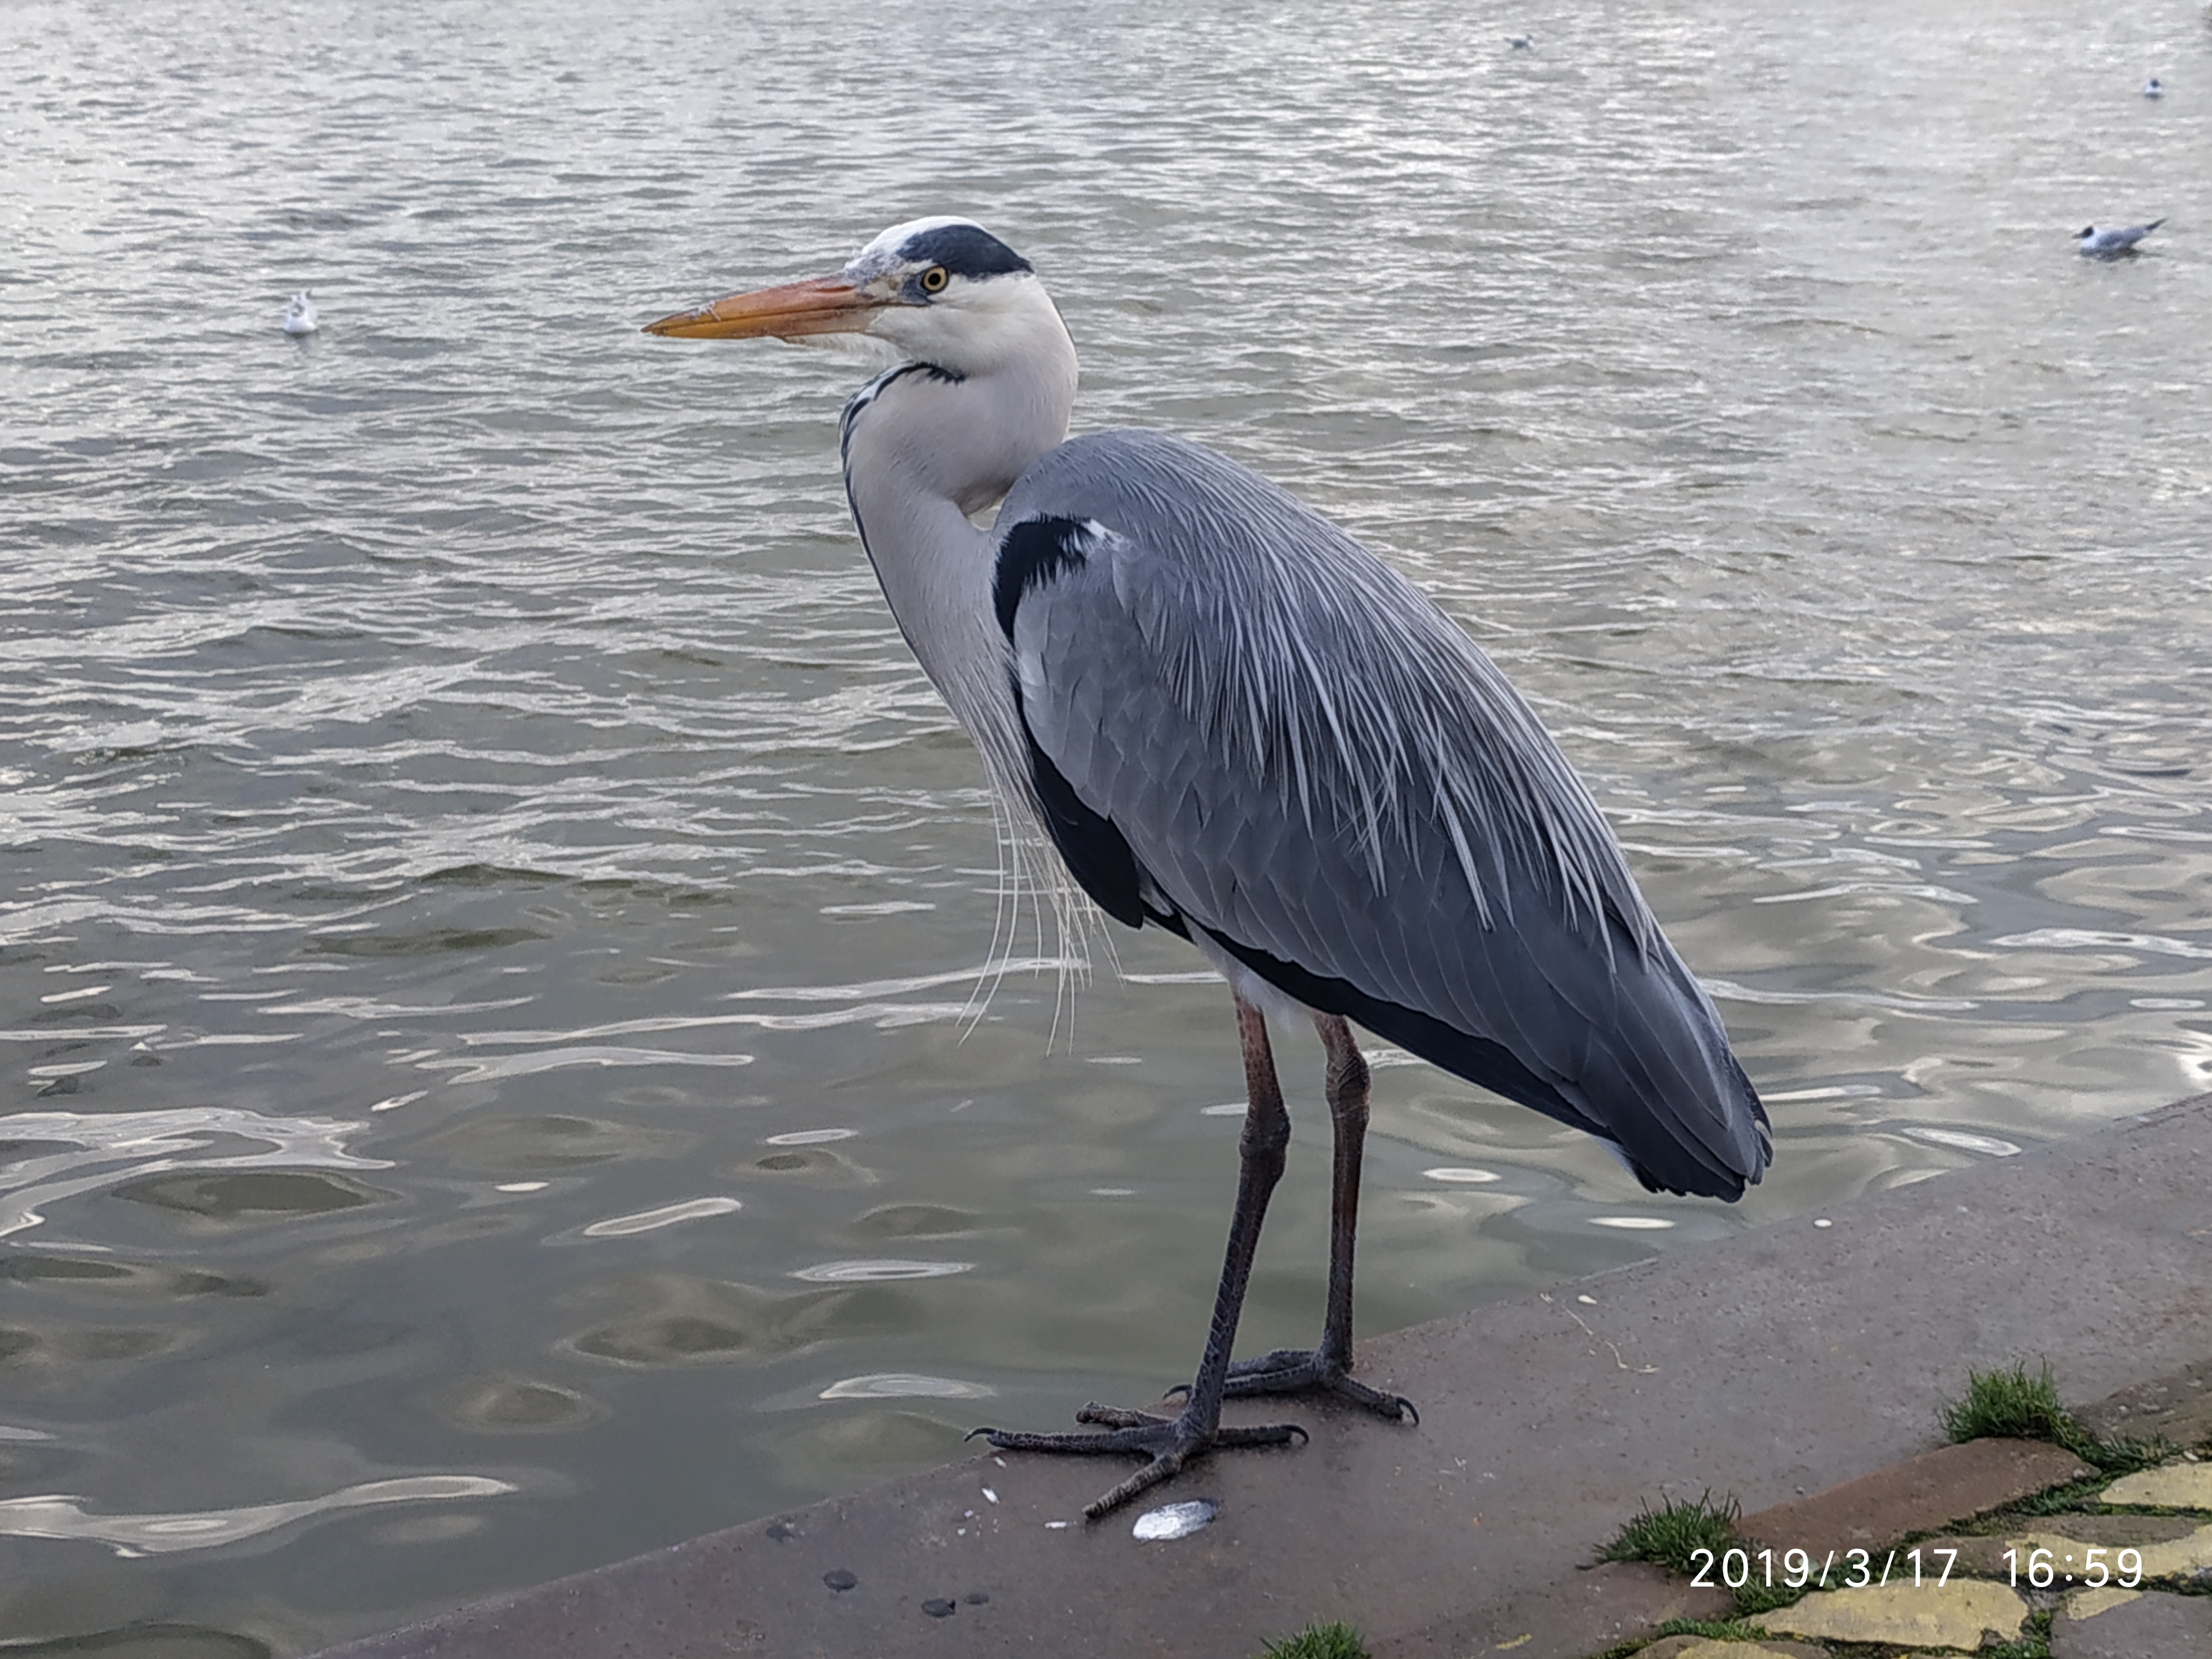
x: 2100, y: 1568
x: 1769, y: 1366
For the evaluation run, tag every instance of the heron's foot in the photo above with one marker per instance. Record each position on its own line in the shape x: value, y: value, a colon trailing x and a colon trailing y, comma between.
x: 1168, y: 1443
x: 1295, y: 1370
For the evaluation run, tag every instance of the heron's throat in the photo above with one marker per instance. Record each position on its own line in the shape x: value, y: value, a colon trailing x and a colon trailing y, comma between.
x: 926, y: 448
x: 988, y: 388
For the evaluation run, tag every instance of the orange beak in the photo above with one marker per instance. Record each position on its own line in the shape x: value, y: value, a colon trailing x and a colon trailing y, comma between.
x: 820, y: 304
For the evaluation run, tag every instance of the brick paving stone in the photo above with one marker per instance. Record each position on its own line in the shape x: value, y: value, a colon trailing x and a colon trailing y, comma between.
x: 2178, y: 1406
x: 1932, y: 1489
x: 2173, y: 1487
x: 1584, y: 1613
x: 1954, y: 1616
x: 2150, y: 1625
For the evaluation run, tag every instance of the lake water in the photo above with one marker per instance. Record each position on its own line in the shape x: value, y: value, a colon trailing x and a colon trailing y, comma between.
x: 494, y: 917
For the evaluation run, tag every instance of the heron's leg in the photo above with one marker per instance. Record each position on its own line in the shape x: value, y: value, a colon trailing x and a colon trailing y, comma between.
x: 1173, y: 1441
x: 1329, y: 1366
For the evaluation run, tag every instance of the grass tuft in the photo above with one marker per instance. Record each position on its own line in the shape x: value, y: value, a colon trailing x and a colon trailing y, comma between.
x: 1672, y: 1534
x: 1334, y: 1640
x: 2011, y: 1405
x: 1669, y: 1534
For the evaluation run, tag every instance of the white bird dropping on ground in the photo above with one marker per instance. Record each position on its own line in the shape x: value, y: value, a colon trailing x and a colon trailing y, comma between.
x: 2101, y: 244
x: 1235, y: 723
x: 2151, y: 88
x: 300, y: 314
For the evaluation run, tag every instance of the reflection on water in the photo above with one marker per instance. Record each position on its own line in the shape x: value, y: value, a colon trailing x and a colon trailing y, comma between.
x: 164, y: 1534
x: 667, y: 1215
x: 497, y: 947
x: 57, y: 1155
x: 892, y: 1385
x: 854, y: 1272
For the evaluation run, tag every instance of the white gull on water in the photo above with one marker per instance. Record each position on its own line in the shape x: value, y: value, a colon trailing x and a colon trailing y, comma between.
x: 2113, y: 240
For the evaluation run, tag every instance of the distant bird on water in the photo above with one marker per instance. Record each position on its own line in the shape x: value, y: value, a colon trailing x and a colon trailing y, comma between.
x: 300, y: 314
x: 1521, y: 42
x: 2152, y: 88
x: 1237, y: 724
x: 2103, y: 244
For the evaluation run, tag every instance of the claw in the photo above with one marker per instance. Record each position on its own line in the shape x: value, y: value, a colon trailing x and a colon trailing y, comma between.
x: 1291, y: 1371
x: 1169, y: 1445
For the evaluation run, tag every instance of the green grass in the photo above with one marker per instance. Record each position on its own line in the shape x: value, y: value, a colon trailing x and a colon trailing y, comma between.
x: 2034, y: 1642
x: 1334, y: 1640
x: 2123, y: 1454
x: 2013, y: 1406
x: 1670, y: 1533
x: 1753, y: 1598
x: 2070, y: 1499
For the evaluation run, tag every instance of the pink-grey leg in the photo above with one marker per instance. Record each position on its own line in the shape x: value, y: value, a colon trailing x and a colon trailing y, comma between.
x: 1170, y: 1443
x: 1329, y: 1366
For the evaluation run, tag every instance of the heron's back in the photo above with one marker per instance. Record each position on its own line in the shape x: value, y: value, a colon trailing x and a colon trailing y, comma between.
x: 1303, y: 757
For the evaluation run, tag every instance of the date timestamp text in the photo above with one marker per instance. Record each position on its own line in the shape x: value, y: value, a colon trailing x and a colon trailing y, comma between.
x: 2039, y: 1569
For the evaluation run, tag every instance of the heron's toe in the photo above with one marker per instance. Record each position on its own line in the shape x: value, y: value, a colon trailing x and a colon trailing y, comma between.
x: 1168, y: 1445
x: 1294, y: 1371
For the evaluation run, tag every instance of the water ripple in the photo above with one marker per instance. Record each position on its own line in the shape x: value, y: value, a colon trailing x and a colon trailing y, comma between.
x: 667, y: 1215
x: 96, y: 1151
x: 423, y: 748
x: 878, y: 1272
x: 58, y: 1517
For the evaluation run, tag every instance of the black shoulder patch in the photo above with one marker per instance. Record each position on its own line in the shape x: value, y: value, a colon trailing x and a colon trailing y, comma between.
x: 963, y: 250
x: 1096, y: 854
x: 1030, y: 554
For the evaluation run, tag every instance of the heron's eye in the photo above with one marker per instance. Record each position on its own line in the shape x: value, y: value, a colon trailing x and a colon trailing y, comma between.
x: 934, y: 279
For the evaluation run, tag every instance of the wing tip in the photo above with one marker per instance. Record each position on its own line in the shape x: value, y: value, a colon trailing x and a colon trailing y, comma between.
x: 1724, y: 1172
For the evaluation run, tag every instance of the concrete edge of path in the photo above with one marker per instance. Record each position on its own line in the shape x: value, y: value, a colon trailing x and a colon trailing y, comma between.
x: 1772, y: 1365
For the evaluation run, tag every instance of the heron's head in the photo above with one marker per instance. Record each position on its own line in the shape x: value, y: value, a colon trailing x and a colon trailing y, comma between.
x: 940, y: 291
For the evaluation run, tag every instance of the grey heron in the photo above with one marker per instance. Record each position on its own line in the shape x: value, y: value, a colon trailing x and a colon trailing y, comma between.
x: 2103, y: 244
x: 1235, y: 723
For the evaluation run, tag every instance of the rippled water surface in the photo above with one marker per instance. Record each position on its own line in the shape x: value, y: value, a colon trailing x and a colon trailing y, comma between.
x: 493, y: 916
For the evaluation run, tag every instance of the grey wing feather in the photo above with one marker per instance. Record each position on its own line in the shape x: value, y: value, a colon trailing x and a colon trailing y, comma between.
x: 1312, y: 763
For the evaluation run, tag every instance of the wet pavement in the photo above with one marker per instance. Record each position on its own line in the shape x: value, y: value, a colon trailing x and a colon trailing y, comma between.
x: 1770, y: 1367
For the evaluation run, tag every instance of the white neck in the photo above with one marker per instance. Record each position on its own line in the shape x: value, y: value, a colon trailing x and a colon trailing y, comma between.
x: 941, y: 439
